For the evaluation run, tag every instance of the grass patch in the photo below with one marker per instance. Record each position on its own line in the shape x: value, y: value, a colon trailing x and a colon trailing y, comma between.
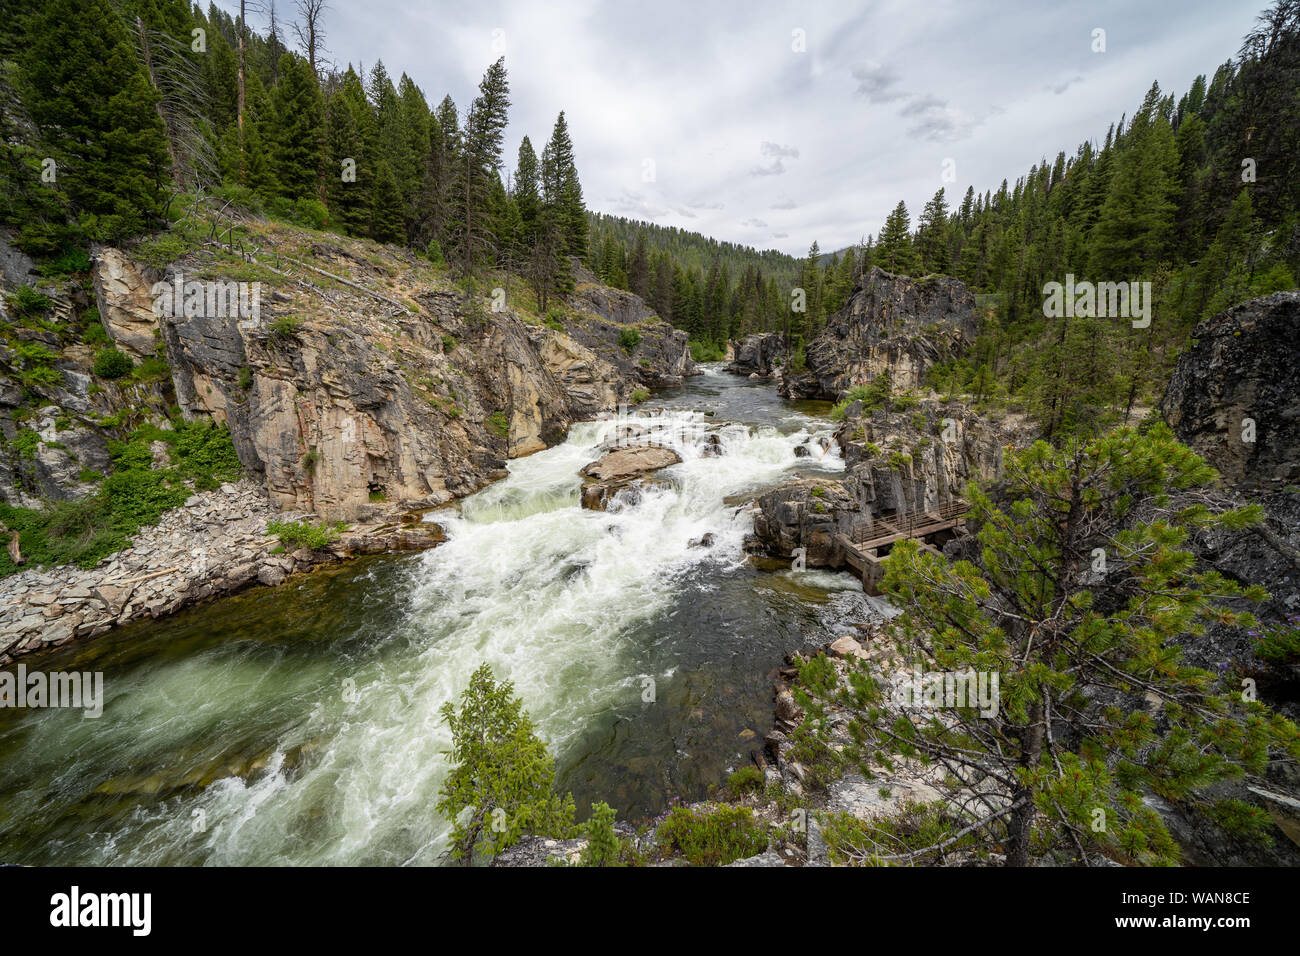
x: 497, y: 424
x: 748, y: 779
x: 133, y: 496
x: 294, y: 535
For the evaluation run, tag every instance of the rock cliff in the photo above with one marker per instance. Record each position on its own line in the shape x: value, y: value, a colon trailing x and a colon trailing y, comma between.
x: 896, y: 462
x: 1233, y: 397
x: 366, y: 377
x: 890, y: 322
x: 757, y: 354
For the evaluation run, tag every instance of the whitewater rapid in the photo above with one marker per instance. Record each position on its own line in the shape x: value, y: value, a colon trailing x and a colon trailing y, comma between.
x: 559, y: 600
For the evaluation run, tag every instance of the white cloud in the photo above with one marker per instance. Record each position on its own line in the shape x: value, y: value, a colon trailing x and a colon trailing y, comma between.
x: 694, y: 87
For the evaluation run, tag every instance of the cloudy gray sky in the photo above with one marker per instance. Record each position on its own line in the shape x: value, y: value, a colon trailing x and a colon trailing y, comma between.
x: 706, y: 115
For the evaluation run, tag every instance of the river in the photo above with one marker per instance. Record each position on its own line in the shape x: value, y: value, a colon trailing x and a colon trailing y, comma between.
x: 301, y: 724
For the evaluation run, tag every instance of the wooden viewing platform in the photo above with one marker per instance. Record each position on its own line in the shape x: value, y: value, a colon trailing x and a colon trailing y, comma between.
x: 860, y: 549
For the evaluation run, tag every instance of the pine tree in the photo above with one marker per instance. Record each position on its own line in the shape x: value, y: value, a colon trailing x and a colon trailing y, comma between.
x: 478, y: 162
x: 386, y: 220
x: 893, y: 251
x: 1135, y: 224
x: 527, y: 191
x: 565, y: 192
x: 603, y: 847
x: 298, y: 153
x: 501, y: 773
x: 97, y: 115
x: 932, y: 235
x: 638, y: 269
x: 348, y: 117
x: 1094, y: 708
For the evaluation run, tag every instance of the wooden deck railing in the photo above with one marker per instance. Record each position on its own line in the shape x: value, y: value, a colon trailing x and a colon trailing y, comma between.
x: 906, y: 525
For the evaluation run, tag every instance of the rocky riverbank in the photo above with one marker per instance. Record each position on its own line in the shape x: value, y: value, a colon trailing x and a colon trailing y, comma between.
x: 216, y: 544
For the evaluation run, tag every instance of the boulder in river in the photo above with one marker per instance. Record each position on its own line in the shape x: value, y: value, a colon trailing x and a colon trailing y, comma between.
x: 621, y: 470
x: 630, y: 462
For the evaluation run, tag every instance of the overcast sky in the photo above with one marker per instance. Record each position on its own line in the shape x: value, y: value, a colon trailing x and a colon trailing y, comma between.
x: 702, y: 114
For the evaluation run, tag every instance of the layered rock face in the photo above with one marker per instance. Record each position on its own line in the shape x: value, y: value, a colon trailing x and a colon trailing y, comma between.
x: 1233, y: 397
x: 338, y: 399
x: 660, y: 357
x: 757, y: 354
x: 891, y: 323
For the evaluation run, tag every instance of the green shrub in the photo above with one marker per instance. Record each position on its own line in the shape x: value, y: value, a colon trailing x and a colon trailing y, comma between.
x: 240, y: 197
x: 285, y: 326
x: 68, y: 262
x: 112, y: 363
x: 26, y: 301
x: 712, y: 836
x: 151, y: 368
x: 706, y: 352
x: 162, y: 250
x: 310, y: 213
x: 297, y: 534
x: 139, y: 496
x: 280, y: 208
x: 25, y: 443
x: 629, y: 339
x: 1279, y: 644
x: 748, y: 779
x: 818, y: 674
x: 448, y: 343
x: 204, y: 453
x: 433, y: 252
x: 851, y: 841
x: 94, y: 333
x: 497, y: 424
x: 639, y: 395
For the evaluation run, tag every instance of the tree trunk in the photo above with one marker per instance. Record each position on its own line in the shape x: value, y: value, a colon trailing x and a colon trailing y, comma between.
x: 240, y: 75
x: 1021, y: 824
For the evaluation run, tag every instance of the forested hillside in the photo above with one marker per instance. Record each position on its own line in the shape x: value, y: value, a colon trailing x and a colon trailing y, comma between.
x: 111, y: 109
x: 1197, y: 194
x: 714, y: 290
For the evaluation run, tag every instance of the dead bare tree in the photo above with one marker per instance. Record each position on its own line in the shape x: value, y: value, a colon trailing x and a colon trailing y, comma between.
x: 178, y: 79
x: 310, y: 30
